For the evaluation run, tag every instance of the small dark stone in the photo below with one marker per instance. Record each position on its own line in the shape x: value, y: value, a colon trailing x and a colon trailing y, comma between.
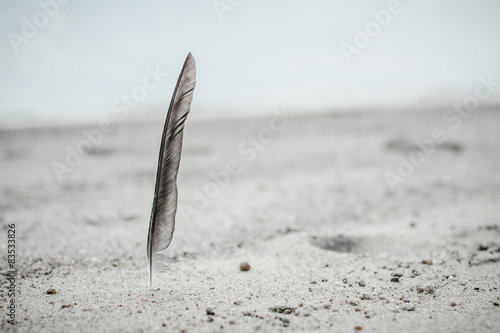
x: 429, y: 290
x: 286, y: 322
x: 51, y: 292
x: 362, y: 283
x: 210, y: 311
x: 244, y: 266
x: 409, y: 308
x: 426, y: 290
x: 282, y: 309
x: 395, y: 279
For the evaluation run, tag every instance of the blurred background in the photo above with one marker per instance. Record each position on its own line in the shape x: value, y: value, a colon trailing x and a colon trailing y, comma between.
x: 80, y: 59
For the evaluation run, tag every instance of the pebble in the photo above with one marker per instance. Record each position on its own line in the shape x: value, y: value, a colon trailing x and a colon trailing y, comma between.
x: 65, y: 306
x: 395, y: 279
x: 353, y: 303
x: 210, y: 311
x: 285, y: 322
x: 282, y: 309
x: 311, y: 289
x: 210, y: 319
x: 51, y: 292
x: 327, y: 306
x: 244, y: 266
x: 429, y: 290
x: 409, y: 308
x: 362, y: 283
x: 453, y: 304
x: 237, y: 302
x: 482, y: 247
x: 287, y: 311
x: 427, y: 262
x: 247, y: 313
x: 358, y: 328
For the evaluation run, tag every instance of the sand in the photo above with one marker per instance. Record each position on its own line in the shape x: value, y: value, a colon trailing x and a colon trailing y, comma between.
x: 305, y: 201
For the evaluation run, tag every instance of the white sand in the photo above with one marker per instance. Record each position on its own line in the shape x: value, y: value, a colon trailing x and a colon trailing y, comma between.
x: 304, y: 213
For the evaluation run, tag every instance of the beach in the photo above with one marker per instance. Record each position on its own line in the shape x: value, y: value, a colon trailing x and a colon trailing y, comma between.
x: 362, y: 221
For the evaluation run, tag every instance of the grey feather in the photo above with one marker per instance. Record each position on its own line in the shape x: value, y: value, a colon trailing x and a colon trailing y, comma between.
x: 162, y: 223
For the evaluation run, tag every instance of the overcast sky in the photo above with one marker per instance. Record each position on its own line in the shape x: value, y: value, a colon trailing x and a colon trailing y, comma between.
x: 252, y: 56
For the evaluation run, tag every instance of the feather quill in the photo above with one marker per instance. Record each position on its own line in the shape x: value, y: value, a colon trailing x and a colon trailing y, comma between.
x: 162, y: 222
